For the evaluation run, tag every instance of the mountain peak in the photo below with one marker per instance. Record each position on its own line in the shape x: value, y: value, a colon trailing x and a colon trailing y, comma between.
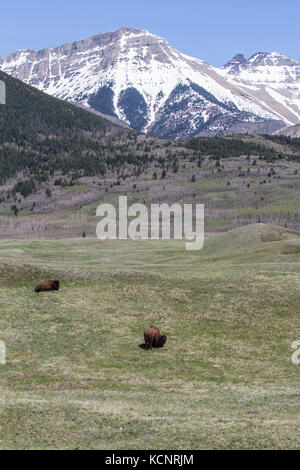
x: 237, y: 60
x: 137, y: 77
x: 259, y: 62
x: 271, y: 59
x: 99, y: 40
x: 239, y: 57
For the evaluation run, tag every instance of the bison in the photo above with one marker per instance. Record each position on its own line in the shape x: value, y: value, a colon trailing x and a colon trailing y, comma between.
x: 47, y: 285
x: 153, y: 338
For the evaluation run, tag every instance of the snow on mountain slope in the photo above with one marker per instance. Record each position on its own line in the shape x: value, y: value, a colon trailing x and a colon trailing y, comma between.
x: 273, y: 78
x: 138, y: 78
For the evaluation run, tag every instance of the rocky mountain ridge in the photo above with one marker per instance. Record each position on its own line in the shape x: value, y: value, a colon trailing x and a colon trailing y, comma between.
x: 138, y: 78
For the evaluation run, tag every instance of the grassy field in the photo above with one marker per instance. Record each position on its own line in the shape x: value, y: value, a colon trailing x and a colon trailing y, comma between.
x: 239, y: 191
x: 76, y: 377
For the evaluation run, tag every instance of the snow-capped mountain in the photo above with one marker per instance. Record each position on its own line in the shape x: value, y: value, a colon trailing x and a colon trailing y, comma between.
x: 291, y: 131
x: 272, y: 78
x: 138, y: 78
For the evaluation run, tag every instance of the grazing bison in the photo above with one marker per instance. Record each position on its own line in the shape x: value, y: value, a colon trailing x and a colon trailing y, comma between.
x: 153, y: 338
x: 47, y: 285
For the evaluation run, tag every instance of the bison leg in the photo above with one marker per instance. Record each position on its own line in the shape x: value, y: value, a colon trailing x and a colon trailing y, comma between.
x: 147, y: 341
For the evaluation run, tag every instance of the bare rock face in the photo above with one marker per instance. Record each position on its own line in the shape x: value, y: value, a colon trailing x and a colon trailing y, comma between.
x: 136, y: 77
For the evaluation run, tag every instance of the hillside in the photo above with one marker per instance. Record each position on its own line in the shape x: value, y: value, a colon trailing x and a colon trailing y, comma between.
x: 240, y: 181
x: 42, y: 137
x: 39, y: 133
x: 58, y: 162
x: 137, y: 77
x: 291, y: 131
x: 224, y: 378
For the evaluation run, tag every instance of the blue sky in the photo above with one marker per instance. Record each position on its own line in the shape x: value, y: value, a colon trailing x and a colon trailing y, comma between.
x: 213, y: 30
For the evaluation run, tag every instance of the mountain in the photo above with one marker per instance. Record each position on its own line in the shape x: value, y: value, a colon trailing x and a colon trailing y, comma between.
x: 272, y: 78
x: 138, y: 78
x: 264, y: 63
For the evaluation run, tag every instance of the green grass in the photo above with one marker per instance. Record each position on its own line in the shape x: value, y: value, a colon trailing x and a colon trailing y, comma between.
x: 76, y: 377
x: 76, y: 188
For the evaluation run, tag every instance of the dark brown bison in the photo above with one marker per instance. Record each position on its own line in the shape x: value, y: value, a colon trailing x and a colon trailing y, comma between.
x: 47, y: 285
x: 153, y: 338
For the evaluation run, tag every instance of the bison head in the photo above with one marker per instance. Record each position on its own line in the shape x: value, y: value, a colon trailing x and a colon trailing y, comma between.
x: 162, y: 341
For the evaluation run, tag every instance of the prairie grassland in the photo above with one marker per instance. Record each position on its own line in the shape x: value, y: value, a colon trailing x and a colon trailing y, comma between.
x: 76, y: 377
